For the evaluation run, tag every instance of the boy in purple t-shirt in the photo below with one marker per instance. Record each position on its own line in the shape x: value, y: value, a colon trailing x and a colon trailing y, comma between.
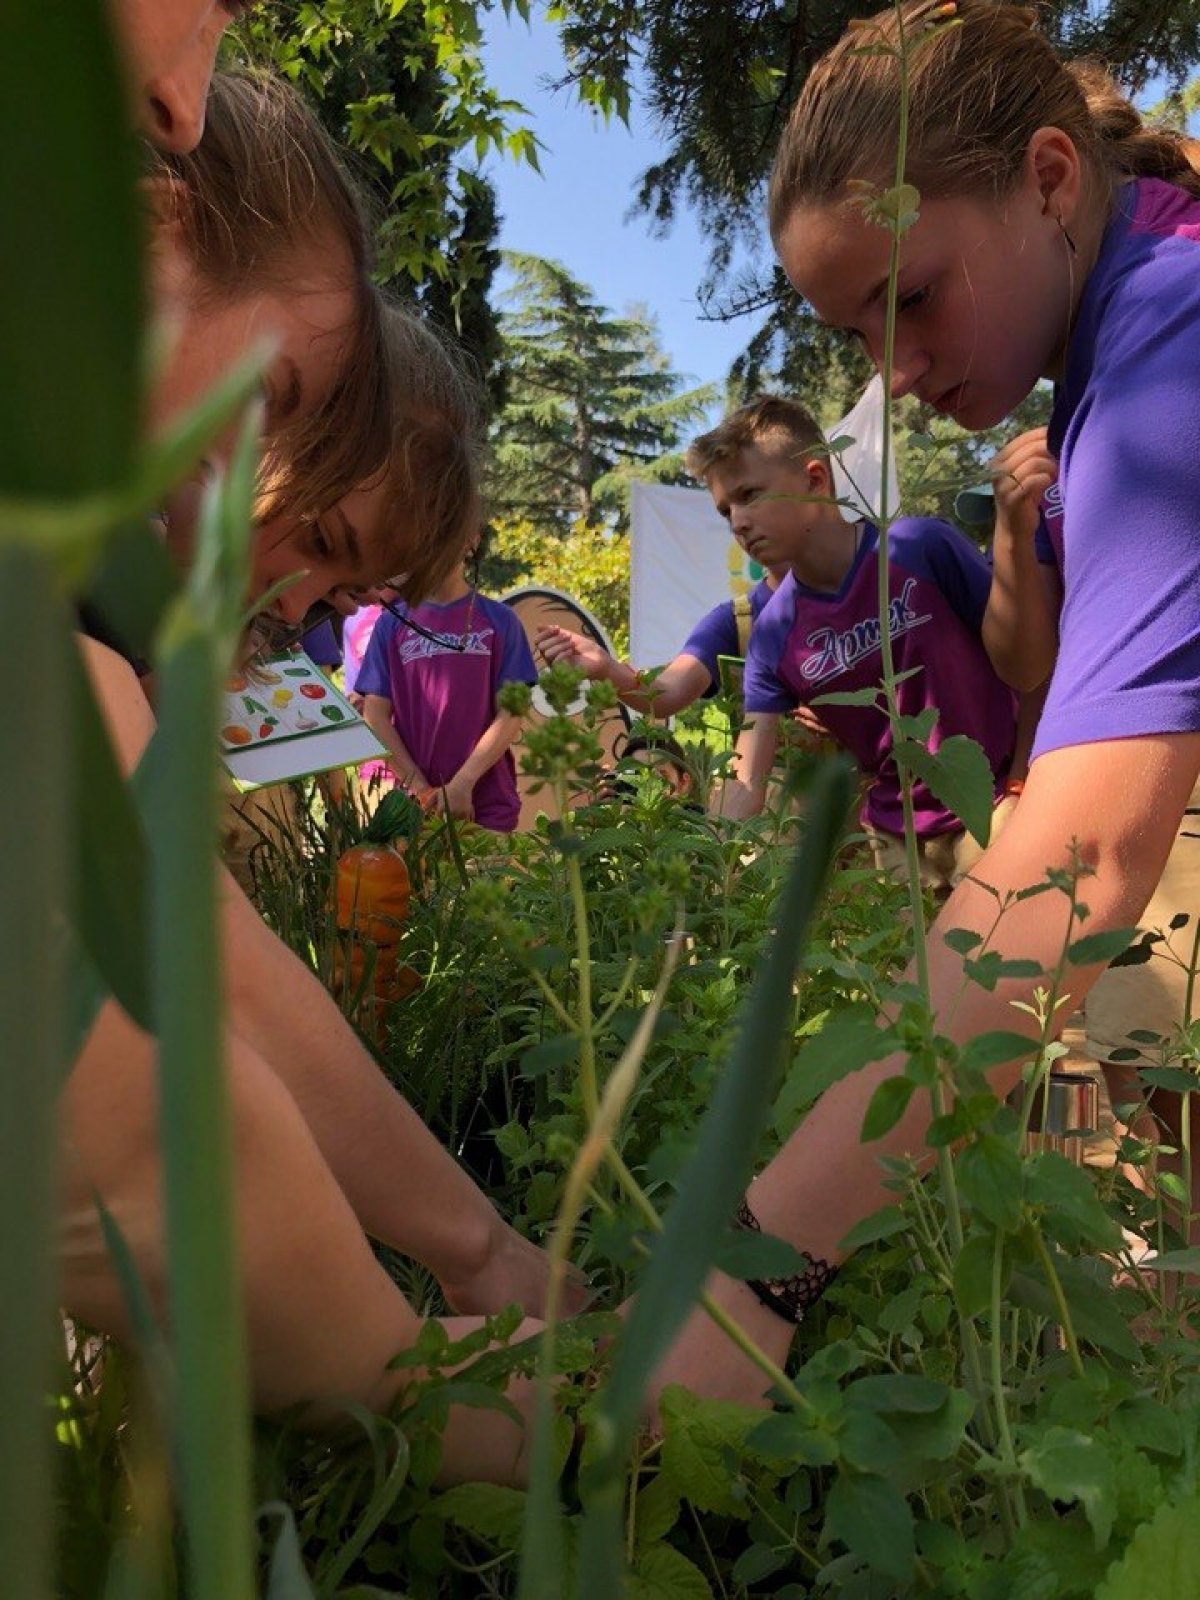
x: 768, y: 473
x: 429, y: 682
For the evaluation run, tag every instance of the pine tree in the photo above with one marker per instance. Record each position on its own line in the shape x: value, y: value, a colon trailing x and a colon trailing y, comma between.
x: 592, y: 401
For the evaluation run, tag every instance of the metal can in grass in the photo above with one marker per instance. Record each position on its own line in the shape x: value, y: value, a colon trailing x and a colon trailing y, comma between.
x: 1065, y: 1112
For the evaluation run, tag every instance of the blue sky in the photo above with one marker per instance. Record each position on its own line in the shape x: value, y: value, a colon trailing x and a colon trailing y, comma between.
x: 575, y: 212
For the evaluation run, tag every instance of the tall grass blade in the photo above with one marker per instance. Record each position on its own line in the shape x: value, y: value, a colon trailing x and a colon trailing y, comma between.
x: 34, y: 888
x: 711, y: 1185
x: 70, y: 269
x: 112, y: 868
x: 208, y: 1328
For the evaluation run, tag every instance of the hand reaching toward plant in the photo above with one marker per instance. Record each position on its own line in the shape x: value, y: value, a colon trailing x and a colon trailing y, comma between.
x: 560, y: 644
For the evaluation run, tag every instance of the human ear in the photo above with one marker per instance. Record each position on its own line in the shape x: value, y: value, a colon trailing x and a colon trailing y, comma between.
x: 1056, y: 173
x: 820, y: 479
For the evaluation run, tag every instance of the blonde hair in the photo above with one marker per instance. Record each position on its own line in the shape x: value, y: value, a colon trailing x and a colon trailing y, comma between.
x: 262, y: 199
x: 766, y: 421
x: 978, y: 90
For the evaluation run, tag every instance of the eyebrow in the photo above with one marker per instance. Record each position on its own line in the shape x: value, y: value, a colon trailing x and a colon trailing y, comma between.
x: 879, y: 289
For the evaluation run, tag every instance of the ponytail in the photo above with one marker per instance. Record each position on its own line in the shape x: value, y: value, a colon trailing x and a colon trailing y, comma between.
x: 1133, y: 148
x: 978, y: 91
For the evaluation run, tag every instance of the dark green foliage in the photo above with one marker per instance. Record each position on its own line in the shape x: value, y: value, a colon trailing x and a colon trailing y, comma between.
x: 592, y: 401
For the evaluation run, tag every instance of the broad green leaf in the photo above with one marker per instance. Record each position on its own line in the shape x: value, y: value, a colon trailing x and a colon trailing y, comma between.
x: 989, y: 1050
x: 973, y: 1274
x: 990, y: 1176
x: 488, y: 1510
x: 867, y: 1444
x: 847, y: 1042
x: 712, y: 1182
x: 886, y: 1106
x: 70, y: 269
x: 1172, y: 1261
x: 1069, y: 1466
x: 897, y: 1391
x: 871, y: 1518
x: 700, y: 1437
x: 663, y: 1573
x: 1162, y: 1560
x: 848, y: 697
x: 791, y: 1438
x: 758, y: 1562
x: 748, y: 1255
x: 1100, y: 946
x: 1096, y: 1312
x: 656, y: 1511
x: 1067, y: 1195
x: 934, y: 1435
x: 882, y: 1224
x: 959, y: 775
x: 1177, y: 1079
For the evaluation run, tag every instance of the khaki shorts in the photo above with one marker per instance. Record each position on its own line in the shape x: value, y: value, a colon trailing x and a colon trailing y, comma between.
x: 945, y: 858
x: 1153, y: 995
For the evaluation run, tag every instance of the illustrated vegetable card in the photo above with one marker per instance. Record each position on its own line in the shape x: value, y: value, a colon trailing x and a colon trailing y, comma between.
x: 282, y: 701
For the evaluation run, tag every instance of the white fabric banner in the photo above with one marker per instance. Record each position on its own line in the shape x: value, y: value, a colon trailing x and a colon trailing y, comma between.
x: 683, y: 561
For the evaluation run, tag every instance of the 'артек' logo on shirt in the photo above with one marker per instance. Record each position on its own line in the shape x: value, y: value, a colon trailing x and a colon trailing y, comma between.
x: 834, y: 652
x: 416, y: 647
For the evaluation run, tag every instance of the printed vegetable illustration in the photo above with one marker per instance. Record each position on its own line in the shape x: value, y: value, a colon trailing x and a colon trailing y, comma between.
x: 265, y: 731
x: 236, y: 734
x: 332, y: 713
x: 313, y: 691
x: 236, y: 683
x: 281, y: 697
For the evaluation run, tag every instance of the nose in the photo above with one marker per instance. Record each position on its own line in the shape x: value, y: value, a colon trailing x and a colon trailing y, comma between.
x: 298, y: 599
x: 175, y: 107
x: 909, y: 366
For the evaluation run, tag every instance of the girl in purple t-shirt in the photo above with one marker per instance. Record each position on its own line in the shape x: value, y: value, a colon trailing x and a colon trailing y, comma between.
x: 429, y: 682
x: 1057, y: 238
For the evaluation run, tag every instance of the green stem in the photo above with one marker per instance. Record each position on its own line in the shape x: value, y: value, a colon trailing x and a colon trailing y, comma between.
x: 999, y: 1404
x: 1060, y: 1301
x: 586, y: 1022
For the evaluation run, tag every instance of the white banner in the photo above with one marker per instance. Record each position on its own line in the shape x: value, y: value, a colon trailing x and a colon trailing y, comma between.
x: 683, y: 560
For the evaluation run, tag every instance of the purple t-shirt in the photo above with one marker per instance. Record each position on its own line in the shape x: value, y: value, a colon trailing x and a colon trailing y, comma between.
x: 808, y: 643
x: 716, y: 634
x: 1126, y: 431
x: 443, y: 698
x: 320, y: 645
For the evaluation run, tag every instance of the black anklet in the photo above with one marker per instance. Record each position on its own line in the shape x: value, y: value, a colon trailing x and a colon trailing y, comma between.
x: 788, y: 1298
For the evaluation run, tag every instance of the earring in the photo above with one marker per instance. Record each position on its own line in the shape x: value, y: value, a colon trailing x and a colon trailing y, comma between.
x: 1065, y: 234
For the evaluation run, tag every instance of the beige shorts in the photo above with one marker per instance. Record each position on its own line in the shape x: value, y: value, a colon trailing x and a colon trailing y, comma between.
x: 945, y: 858
x: 1153, y: 995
